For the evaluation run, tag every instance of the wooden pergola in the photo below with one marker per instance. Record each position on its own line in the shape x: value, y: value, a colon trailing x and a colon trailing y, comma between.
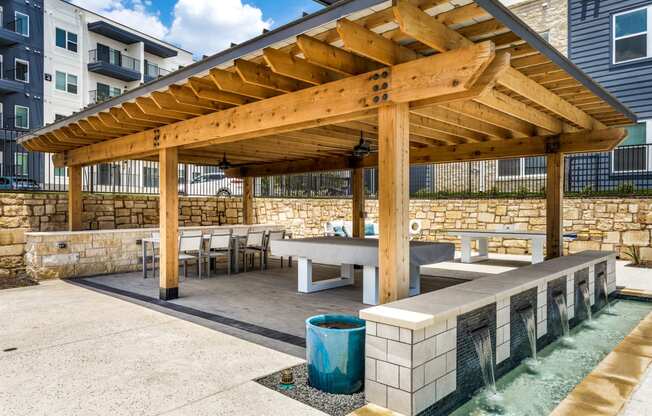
x: 423, y: 81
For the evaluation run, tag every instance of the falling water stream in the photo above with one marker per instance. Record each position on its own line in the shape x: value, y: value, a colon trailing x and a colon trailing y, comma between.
x: 560, y: 301
x: 482, y: 343
x: 527, y: 316
x: 606, y: 293
x: 524, y: 393
x: 586, y: 298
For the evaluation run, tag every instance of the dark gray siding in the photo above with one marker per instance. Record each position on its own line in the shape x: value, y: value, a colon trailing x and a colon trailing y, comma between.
x: 590, y: 49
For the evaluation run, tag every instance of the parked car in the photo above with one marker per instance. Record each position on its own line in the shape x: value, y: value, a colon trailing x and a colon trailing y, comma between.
x: 215, y: 184
x: 17, y: 183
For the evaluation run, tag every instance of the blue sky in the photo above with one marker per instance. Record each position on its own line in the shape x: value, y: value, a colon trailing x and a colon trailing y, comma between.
x: 280, y: 11
x: 201, y: 26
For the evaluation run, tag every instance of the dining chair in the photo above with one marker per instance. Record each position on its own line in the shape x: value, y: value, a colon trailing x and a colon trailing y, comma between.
x: 218, y: 246
x: 272, y: 236
x: 254, y: 244
x: 190, y: 248
x: 155, y: 236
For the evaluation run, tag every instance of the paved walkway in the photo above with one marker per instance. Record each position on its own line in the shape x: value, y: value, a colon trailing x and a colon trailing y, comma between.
x: 78, y: 352
x: 640, y: 404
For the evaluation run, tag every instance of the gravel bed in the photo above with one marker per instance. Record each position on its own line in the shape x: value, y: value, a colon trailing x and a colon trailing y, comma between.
x: 332, y: 404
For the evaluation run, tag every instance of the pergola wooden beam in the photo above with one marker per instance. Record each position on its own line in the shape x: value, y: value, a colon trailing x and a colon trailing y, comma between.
x: 580, y: 142
x: 334, y: 102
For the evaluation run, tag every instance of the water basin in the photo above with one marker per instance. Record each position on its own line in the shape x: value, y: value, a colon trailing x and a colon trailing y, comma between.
x: 559, y: 368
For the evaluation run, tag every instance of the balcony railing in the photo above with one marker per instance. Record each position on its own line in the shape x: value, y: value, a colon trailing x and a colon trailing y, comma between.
x: 114, y: 58
x: 95, y: 96
x: 153, y: 71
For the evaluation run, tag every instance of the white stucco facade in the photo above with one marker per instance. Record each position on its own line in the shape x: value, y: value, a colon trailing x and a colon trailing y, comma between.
x: 64, y: 16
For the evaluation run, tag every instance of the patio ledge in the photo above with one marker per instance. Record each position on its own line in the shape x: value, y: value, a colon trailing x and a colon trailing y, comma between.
x: 431, y: 308
x: 152, y: 229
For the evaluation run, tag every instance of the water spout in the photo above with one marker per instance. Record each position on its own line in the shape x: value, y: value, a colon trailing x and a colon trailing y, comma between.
x: 586, y: 298
x: 560, y: 301
x: 527, y: 316
x: 482, y: 343
x: 606, y: 293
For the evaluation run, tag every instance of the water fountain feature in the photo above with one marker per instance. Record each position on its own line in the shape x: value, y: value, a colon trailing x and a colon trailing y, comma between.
x: 482, y: 343
x: 560, y: 302
x: 606, y: 294
x: 527, y: 316
x: 586, y: 298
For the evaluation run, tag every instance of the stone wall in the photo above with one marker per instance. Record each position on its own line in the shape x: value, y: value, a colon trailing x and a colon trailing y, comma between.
x: 600, y: 224
x: 605, y: 223
x: 546, y: 16
x: 23, y: 212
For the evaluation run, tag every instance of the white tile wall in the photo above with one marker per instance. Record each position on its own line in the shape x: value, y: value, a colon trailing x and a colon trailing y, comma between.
x: 405, y: 335
x: 435, y: 368
x: 387, y: 331
x: 405, y: 378
x: 423, y: 351
x: 376, y: 347
x: 446, y: 341
x: 502, y: 330
x: 400, y: 401
x: 446, y: 385
x: 387, y: 373
x: 369, y: 368
x: 399, y: 353
x: 375, y: 393
x: 424, y: 397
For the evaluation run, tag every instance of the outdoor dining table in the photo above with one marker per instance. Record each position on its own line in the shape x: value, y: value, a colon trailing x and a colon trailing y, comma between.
x: 236, y: 240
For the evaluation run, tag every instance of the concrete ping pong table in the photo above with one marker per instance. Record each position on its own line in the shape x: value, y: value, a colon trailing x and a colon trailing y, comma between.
x: 348, y: 252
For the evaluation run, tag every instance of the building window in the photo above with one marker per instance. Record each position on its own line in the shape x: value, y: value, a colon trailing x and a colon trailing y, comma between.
x: 150, y: 177
x: 21, y: 70
x: 22, y: 24
x: 21, y: 164
x: 630, y: 35
x: 521, y: 168
x: 2, y: 115
x: 66, y: 40
x: 634, y: 154
x: 109, y: 174
x: 66, y: 82
x: 21, y: 117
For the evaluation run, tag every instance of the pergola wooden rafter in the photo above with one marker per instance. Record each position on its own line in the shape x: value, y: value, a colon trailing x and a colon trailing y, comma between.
x: 425, y: 81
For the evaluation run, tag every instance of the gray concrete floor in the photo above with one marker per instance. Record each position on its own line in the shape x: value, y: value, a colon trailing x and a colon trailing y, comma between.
x: 66, y: 350
x: 268, y: 299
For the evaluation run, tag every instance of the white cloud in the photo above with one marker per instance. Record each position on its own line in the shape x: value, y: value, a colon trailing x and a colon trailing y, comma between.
x: 200, y: 26
x: 209, y: 26
x: 131, y: 13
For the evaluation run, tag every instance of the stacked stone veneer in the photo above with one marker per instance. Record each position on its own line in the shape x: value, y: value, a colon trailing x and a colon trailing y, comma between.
x: 601, y: 224
x: 42, y: 211
x: 66, y: 254
x: 419, y: 354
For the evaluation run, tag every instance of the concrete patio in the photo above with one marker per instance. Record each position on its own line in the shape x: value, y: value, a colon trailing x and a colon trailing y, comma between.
x: 71, y: 351
x: 262, y: 307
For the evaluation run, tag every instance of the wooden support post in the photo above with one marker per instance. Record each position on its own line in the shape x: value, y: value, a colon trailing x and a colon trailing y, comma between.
x: 169, y: 223
x: 75, y: 198
x: 393, y: 200
x: 357, y: 209
x: 248, y: 200
x: 554, y: 205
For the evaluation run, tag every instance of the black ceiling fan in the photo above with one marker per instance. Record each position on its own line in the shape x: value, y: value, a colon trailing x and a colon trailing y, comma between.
x: 224, y: 163
x: 363, y: 148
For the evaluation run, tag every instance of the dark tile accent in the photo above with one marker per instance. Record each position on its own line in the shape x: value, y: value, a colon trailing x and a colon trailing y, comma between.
x: 519, y: 342
x: 223, y: 320
x: 168, y: 293
x: 469, y: 374
x: 600, y: 277
x: 580, y: 310
x: 554, y: 330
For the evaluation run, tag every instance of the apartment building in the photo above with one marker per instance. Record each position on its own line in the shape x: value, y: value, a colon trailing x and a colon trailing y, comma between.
x: 57, y: 58
x: 89, y: 58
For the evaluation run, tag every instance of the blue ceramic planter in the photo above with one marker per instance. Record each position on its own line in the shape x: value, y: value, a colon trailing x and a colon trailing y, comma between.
x: 335, y: 356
